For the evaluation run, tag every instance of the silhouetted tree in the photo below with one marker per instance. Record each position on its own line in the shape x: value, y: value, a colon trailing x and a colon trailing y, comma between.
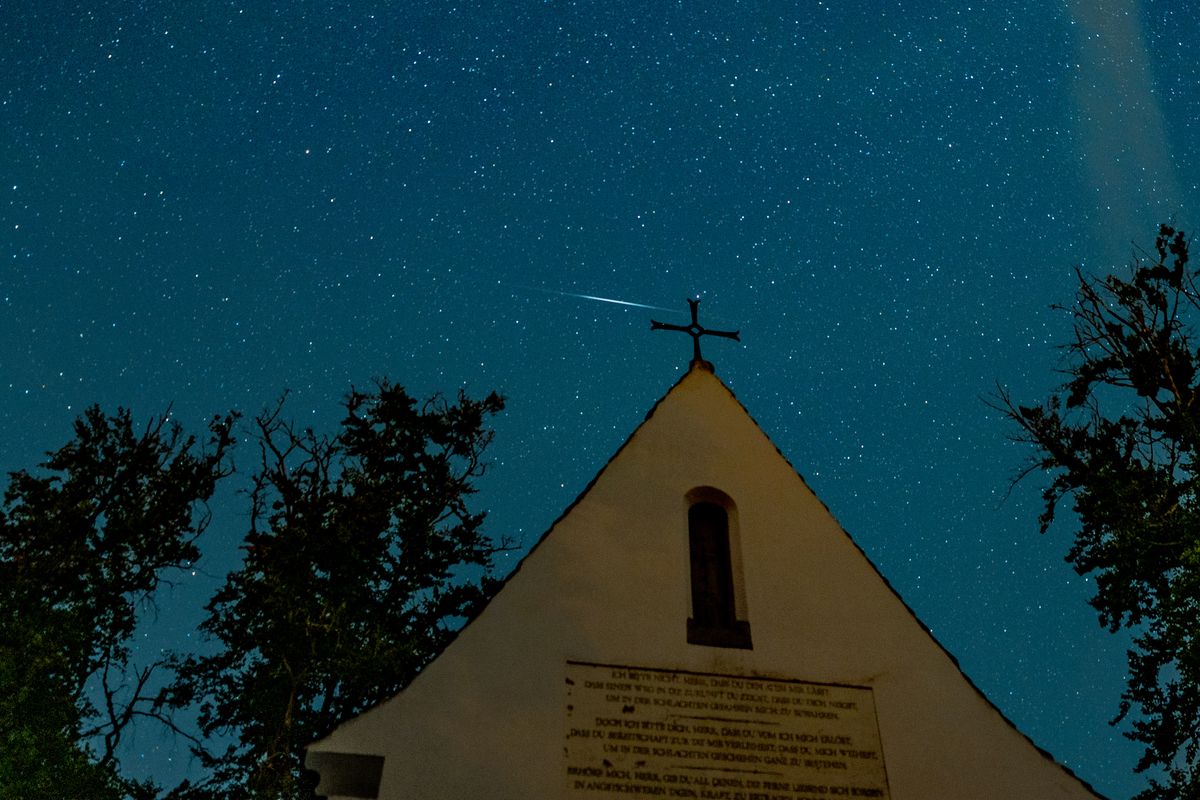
x: 361, y: 560
x: 84, y: 544
x: 1121, y: 439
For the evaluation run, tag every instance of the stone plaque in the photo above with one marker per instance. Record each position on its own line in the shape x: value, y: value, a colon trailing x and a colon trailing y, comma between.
x: 637, y: 731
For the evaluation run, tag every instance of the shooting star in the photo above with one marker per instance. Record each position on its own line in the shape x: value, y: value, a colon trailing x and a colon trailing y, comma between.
x: 592, y: 297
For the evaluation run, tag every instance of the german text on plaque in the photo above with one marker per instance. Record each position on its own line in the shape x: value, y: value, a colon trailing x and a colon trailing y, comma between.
x: 639, y: 731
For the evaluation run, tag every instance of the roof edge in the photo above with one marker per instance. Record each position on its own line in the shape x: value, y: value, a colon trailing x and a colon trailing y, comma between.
x: 704, y: 366
x: 694, y: 366
x: 928, y: 631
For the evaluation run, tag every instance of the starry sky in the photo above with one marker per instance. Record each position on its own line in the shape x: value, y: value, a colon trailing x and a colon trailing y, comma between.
x: 204, y: 204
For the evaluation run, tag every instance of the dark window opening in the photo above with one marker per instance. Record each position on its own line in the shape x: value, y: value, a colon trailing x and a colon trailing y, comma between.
x: 346, y: 774
x: 714, y: 619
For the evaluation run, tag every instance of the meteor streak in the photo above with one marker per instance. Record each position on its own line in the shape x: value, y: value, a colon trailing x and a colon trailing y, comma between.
x: 618, y: 302
x: 594, y: 297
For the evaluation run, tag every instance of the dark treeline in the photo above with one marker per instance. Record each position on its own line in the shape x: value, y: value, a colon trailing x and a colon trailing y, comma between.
x: 1120, y: 441
x: 352, y: 578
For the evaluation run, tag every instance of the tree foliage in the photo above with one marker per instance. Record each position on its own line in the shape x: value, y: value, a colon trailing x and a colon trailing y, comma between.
x: 361, y: 558
x: 84, y: 544
x: 1121, y: 440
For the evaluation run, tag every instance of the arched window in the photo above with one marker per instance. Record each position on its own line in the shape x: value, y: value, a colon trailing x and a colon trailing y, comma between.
x: 714, y: 621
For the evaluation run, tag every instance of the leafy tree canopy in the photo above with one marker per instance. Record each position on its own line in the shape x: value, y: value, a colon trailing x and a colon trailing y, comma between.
x: 84, y: 544
x: 1121, y: 440
x: 361, y: 559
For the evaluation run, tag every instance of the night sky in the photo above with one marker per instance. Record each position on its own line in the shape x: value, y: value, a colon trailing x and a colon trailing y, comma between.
x: 205, y: 203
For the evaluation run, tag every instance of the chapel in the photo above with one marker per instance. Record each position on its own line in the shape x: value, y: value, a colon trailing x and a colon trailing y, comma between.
x: 696, y: 624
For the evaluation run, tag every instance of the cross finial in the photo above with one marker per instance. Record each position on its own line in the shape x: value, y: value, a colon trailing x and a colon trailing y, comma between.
x: 695, y: 330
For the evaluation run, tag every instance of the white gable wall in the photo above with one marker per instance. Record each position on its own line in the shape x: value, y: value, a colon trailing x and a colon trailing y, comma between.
x: 610, y: 584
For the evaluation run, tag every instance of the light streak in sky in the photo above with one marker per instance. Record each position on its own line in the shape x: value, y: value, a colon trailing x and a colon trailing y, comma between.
x: 1121, y: 128
x: 594, y: 297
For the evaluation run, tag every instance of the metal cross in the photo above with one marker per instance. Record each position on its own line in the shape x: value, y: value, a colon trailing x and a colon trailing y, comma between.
x: 695, y: 330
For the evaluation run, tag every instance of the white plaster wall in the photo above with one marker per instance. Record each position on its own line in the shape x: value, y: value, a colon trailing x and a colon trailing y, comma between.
x: 610, y: 584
